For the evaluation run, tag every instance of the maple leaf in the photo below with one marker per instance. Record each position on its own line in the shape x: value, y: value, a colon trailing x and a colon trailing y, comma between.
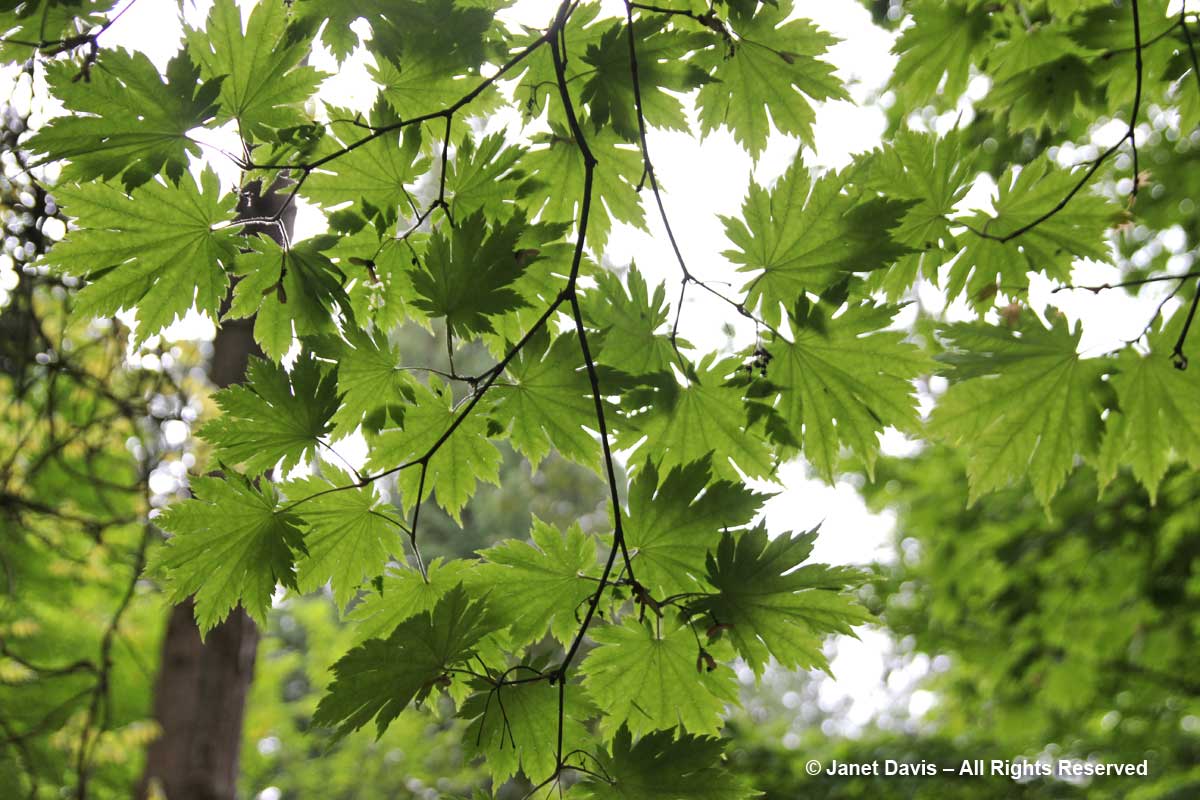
x: 486, y: 176
x: 126, y: 121
x: 274, y: 417
x: 349, y: 534
x: 1077, y: 231
x: 1156, y: 419
x: 380, y: 677
x: 375, y: 174
x: 405, y: 593
x: 649, y: 683
x: 671, y: 525
x: 290, y: 292
x: 468, y: 276
x: 842, y: 380
x: 686, y: 423
x: 807, y: 235
x: 539, y: 584
x: 369, y: 376
x: 556, y: 161
x: 629, y: 322
x: 515, y: 727
x: 662, y: 68
x: 1018, y: 407
x: 264, y: 82
x: 948, y: 40
x: 547, y: 400
x: 232, y: 543
x: 154, y: 250
x: 665, y: 767
x: 423, y: 426
x: 775, y: 607
x: 773, y: 67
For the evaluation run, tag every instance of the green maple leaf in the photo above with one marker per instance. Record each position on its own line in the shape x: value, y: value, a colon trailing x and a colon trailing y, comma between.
x: 468, y: 276
x: 684, y: 424
x: 1159, y: 415
x: 274, y: 416
x: 231, y: 544
x: 649, y: 683
x: 671, y: 526
x: 424, y: 84
x: 1020, y: 406
x: 486, y: 176
x: 842, y: 380
x: 807, y: 235
x: 559, y: 167
x: 775, y: 607
x: 404, y: 593
x: 516, y: 727
x: 126, y: 120
x: 349, y: 533
x: 946, y: 40
x: 546, y: 400
x: 154, y: 250
x: 290, y: 292
x: 662, y: 68
x: 1075, y: 232
x: 376, y: 174
x: 664, y: 767
x: 774, y: 67
x: 264, y: 82
x: 369, y: 376
x: 466, y: 457
x: 539, y: 584
x: 380, y: 677
x: 630, y: 322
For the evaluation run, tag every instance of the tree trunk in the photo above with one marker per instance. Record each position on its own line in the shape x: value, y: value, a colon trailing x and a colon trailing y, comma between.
x: 200, y: 694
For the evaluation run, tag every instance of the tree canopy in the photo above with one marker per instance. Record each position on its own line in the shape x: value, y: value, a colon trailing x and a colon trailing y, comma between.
x: 1025, y: 140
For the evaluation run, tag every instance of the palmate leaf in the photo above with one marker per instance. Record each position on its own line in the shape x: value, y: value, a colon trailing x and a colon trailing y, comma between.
x: 1018, y: 407
x: 465, y: 458
x: 516, y: 727
x: 650, y: 682
x: 126, y: 120
x: 772, y: 607
x: 546, y: 400
x: 380, y: 677
x: 630, y: 321
x: 231, y: 544
x: 370, y: 376
x: 557, y: 163
x: 1159, y: 416
x: 154, y: 250
x: 1051, y: 247
x: 662, y: 766
x: 264, y: 83
x: 684, y: 424
x: 671, y: 526
x: 290, y: 292
x: 774, y: 67
x: 842, y: 380
x: 274, y: 417
x: 376, y: 175
x: 467, y: 276
x: 486, y: 176
x: 404, y: 593
x: 947, y: 39
x: 539, y: 585
x: 349, y: 533
x: 807, y: 235
x: 663, y: 68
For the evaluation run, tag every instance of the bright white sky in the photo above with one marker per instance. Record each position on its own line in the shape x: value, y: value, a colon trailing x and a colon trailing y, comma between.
x: 703, y: 179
